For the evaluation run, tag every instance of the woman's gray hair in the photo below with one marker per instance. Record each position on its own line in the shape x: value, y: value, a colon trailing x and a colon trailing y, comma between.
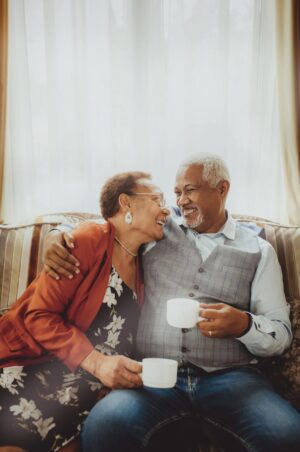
x: 214, y: 168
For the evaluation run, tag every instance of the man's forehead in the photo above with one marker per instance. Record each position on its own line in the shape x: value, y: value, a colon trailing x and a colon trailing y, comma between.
x: 189, y: 176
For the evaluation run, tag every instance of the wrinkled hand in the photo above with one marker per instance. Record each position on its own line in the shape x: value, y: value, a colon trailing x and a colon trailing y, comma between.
x: 113, y: 371
x: 58, y: 261
x: 222, y: 320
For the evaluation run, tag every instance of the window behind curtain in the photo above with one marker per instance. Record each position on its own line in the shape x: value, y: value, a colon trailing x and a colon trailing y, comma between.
x: 101, y: 87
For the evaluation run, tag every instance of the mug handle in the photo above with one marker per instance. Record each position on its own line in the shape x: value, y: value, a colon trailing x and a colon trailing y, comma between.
x: 141, y: 374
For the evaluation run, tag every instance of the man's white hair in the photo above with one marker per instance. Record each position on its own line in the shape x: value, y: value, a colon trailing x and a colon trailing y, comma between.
x: 214, y: 168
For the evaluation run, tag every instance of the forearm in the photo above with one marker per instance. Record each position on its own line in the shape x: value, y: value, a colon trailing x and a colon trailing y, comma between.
x: 267, y: 337
x: 46, y: 316
x: 59, y: 338
x: 91, y: 361
x: 270, y: 333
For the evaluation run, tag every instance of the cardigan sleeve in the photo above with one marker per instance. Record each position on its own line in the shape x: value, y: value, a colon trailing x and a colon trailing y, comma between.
x: 45, y: 319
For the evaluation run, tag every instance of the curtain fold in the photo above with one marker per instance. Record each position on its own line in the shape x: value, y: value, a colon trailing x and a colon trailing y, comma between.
x: 288, y: 66
x: 95, y: 88
x: 3, y: 84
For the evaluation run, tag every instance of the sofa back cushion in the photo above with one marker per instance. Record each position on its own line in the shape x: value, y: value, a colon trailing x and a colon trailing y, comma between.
x: 21, y: 251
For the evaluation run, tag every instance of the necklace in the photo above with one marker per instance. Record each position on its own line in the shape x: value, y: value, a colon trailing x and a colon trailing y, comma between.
x: 125, y: 248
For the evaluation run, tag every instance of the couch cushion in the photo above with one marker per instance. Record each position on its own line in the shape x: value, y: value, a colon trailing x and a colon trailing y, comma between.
x: 21, y: 250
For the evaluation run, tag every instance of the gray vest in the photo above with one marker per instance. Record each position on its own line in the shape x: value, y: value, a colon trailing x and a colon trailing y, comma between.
x: 174, y: 268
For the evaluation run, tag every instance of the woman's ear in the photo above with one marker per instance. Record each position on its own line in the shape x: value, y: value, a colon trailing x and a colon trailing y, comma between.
x: 124, y: 201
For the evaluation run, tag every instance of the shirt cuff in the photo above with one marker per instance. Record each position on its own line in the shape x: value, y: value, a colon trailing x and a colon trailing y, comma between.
x: 259, y: 326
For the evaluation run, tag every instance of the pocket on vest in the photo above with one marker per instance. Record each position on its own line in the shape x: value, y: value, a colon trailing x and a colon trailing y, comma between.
x: 237, y: 285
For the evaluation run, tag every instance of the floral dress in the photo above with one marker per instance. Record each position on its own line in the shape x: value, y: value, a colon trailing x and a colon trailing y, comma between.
x: 42, y: 406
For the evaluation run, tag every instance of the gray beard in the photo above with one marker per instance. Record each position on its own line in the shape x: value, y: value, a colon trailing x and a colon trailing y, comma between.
x: 194, y: 224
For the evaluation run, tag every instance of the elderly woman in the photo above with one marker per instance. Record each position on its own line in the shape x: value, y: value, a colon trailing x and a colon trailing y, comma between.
x: 64, y: 340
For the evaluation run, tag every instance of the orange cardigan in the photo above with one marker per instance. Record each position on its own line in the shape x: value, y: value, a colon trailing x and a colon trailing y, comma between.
x: 51, y: 317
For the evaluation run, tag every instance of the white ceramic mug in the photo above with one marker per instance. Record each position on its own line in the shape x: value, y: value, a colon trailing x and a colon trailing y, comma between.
x: 159, y: 372
x: 183, y: 312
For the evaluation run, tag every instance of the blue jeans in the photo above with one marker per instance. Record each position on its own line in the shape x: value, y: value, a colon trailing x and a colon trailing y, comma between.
x: 238, y: 404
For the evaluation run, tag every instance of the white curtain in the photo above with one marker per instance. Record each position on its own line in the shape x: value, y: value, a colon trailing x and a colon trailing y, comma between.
x: 98, y: 87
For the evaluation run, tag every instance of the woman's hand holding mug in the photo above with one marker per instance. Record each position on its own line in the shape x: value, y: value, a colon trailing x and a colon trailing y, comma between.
x: 116, y: 371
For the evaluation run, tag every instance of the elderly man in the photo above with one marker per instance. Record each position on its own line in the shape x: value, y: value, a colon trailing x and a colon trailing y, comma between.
x: 205, y: 255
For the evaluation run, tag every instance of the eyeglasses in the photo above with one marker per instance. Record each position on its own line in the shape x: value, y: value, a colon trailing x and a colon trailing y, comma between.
x: 157, y: 197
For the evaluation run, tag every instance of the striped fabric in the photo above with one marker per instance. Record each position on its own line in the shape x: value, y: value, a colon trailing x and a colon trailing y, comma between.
x: 21, y: 249
x: 284, y: 371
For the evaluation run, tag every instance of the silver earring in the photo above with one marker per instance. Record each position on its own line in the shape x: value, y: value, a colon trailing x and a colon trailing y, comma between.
x: 128, y: 218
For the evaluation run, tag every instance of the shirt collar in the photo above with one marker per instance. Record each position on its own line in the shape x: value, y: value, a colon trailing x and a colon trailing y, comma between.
x: 228, y: 228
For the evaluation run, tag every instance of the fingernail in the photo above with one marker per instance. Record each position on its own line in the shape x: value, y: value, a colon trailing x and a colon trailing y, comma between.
x: 70, y: 276
x: 57, y: 278
x: 77, y: 264
x: 72, y: 245
x: 77, y: 271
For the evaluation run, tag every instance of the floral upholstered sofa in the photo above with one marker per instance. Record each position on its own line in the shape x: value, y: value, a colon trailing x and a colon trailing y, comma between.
x: 21, y: 250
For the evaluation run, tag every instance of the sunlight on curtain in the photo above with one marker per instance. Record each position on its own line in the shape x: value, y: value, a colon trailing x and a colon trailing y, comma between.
x: 101, y: 87
x: 288, y: 54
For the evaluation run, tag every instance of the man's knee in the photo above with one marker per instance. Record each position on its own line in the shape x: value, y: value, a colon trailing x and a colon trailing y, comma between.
x: 111, y: 423
x: 129, y: 419
x: 119, y: 407
x: 273, y: 424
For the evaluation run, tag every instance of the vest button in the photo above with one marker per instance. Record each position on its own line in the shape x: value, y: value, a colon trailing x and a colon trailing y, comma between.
x: 184, y: 349
x: 191, y: 294
x: 200, y: 270
x: 196, y: 287
x: 185, y: 330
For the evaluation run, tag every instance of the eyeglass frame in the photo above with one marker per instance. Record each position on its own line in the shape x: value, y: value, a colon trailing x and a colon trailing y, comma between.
x: 162, y: 204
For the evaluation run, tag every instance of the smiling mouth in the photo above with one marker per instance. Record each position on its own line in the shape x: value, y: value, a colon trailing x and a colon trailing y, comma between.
x: 160, y: 222
x: 188, y: 212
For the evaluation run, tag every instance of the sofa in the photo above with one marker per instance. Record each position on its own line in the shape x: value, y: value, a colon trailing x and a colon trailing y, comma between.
x: 21, y: 251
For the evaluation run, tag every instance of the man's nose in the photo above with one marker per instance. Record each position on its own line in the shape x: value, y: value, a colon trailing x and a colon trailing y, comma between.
x: 182, y: 199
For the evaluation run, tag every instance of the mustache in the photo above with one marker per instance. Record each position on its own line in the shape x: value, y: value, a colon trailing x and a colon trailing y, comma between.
x: 189, y: 206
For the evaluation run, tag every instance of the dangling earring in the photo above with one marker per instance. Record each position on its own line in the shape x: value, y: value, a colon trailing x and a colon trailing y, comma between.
x: 128, y: 218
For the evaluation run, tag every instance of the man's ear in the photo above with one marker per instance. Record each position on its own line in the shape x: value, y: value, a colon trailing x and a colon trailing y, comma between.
x: 223, y: 187
x: 124, y: 201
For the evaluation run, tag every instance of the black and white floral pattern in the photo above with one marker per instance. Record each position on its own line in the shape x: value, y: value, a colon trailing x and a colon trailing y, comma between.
x: 42, y: 407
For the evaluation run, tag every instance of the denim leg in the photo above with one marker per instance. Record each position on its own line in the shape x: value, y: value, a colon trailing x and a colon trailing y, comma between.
x: 237, y: 403
x: 242, y: 403
x: 126, y: 420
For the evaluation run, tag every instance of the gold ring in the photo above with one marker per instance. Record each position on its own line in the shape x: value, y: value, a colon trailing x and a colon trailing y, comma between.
x: 210, y: 333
